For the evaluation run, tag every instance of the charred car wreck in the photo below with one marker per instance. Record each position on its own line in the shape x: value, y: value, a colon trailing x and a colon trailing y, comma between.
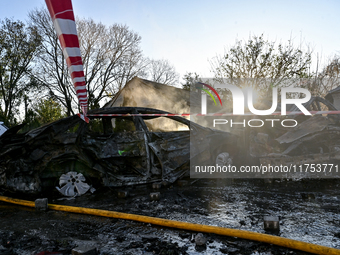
x: 314, y: 143
x: 109, y: 151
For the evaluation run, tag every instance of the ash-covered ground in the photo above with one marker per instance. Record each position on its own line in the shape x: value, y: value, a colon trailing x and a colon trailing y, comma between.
x: 308, y: 210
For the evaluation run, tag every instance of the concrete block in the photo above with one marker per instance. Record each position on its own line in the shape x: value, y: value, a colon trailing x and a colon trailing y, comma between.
x: 271, y: 223
x: 84, y: 250
x: 41, y: 204
x: 155, y: 196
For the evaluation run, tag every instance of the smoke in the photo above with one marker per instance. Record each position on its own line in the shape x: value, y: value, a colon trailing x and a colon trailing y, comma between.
x: 142, y: 93
x: 158, y: 96
x: 164, y: 124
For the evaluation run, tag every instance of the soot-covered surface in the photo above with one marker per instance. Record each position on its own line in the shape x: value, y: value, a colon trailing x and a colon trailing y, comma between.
x: 308, y: 210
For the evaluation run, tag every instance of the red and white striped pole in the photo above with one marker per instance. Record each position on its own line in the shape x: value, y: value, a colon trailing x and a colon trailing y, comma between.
x: 61, y: 12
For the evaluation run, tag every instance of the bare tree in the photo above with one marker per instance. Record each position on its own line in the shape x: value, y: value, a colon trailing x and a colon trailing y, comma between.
x: 51, y: 69
x: 111, y: 57
x: 162, y: 71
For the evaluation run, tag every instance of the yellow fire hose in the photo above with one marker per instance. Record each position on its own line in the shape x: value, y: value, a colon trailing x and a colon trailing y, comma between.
x: 276, y: 240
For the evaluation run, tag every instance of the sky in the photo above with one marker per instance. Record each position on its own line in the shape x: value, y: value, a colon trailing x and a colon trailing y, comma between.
x: 189, y: 34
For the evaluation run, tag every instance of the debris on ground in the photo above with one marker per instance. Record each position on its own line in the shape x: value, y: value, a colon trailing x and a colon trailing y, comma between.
x: 240, y: 205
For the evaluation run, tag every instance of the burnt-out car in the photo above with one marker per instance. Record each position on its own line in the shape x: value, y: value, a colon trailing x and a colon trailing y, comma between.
x: 310, y: 149
x: 109, y: 150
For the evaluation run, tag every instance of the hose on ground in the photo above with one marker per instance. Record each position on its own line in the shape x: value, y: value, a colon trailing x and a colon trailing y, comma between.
x: 244, y: 234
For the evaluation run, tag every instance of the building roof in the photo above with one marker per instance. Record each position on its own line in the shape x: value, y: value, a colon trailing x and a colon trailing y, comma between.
x: 144, y: 93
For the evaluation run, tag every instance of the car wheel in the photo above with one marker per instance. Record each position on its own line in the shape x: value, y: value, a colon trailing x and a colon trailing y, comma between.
x: 223, y: 159
x: 73, y: 183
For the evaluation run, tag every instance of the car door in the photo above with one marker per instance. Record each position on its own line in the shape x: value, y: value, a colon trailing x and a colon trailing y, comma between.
x: 119, y: 150
x: 170, y: 143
